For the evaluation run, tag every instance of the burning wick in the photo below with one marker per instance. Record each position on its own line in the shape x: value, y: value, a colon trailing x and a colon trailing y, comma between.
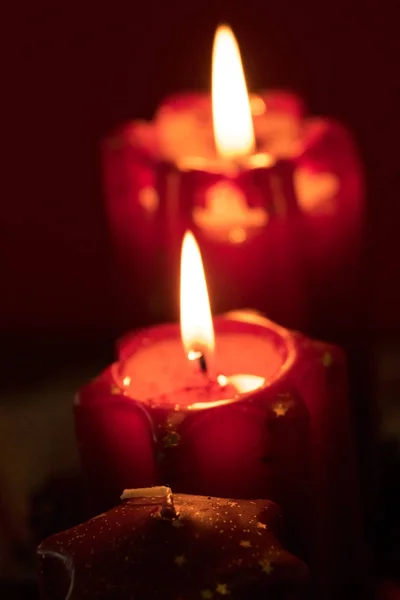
x: 193, y: 355
x: 203, y: 364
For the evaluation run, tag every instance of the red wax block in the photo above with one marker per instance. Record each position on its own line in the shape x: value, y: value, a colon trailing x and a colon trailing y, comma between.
x: 206, y: 548
x: 146, y: 422
x: 279, y: 231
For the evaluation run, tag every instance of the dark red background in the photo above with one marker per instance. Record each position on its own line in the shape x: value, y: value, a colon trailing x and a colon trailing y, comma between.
x: 75, y: 70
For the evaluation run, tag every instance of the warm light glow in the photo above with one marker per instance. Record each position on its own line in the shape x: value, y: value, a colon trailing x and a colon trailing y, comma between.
x: 233, y: 124
x: 246, y: 383
x: 242, y: 383
x: 197, y: 330
x: 237, y: 235
x: 257, y: 106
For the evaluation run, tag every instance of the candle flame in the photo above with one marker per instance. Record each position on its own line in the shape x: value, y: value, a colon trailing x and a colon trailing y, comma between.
x: 197, y: 330
x: 233, y: 124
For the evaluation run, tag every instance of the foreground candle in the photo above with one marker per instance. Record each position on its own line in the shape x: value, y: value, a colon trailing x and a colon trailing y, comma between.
x: 256, y: 411
x: 273, y: 196
x: 155, y: 546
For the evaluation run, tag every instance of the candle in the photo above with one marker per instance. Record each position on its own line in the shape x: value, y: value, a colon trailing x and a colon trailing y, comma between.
x: 155, y: 545
x: 235, y: 407
x: 273, y: 196
x: 160, y: 373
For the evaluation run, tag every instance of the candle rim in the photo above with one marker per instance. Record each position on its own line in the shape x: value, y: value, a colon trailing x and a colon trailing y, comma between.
x: 248, y: 319
x: 276, y: 99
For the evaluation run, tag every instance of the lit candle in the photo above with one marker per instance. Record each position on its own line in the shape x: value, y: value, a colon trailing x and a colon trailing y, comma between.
x: 226, y: 214
x: 273, y: 197
x: 158, y: 545
x: 191, y: 371
x: 235, y: 407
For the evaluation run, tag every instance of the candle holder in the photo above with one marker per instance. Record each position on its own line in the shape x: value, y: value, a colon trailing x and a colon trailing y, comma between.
x: 279, y: 232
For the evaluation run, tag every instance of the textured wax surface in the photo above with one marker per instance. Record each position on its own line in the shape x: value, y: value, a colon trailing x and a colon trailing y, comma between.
x: 214, y: 548
x: 163, y: 368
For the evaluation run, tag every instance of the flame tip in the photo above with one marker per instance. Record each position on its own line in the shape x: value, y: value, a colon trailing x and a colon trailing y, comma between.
x: 233, y: 125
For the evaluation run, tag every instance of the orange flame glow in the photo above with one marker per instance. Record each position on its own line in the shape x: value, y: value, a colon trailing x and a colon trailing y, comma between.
x: 233, y: 125
x: 197, y: 330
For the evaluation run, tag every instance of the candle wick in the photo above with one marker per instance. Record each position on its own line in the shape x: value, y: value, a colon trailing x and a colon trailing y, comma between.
x: 168, y: 510
x: 203, y: 364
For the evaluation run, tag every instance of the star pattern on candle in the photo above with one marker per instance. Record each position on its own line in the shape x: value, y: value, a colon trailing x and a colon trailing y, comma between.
x: 222, y: 589
x: 261, y: 525
x: 266, y: 566
x: 327, y: 359
x: 280, y: 409
x: 245, y: 543
x: 180, y: 560
x: 171, y: 439
x: 206, y: 594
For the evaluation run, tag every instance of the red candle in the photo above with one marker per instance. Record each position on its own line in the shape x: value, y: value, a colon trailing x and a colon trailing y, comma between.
x: 187, y: 547
x: 256, y: 412
x: 274, y: 200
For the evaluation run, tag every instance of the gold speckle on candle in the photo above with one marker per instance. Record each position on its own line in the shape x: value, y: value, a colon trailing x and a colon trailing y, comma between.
x: 245, y: 544
x: 175, y: 418
x: 222, y: 589
x: 266, y: 566
x: 180, y: 560
x: 261, y: 525
x: 206, y: 594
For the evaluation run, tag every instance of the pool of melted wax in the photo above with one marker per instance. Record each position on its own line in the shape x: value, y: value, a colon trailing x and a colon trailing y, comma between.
x: 162, y: 369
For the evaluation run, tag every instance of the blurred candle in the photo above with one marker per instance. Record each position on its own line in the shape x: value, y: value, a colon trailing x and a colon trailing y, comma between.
x: 273, y: 197
x: 222, y: 188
